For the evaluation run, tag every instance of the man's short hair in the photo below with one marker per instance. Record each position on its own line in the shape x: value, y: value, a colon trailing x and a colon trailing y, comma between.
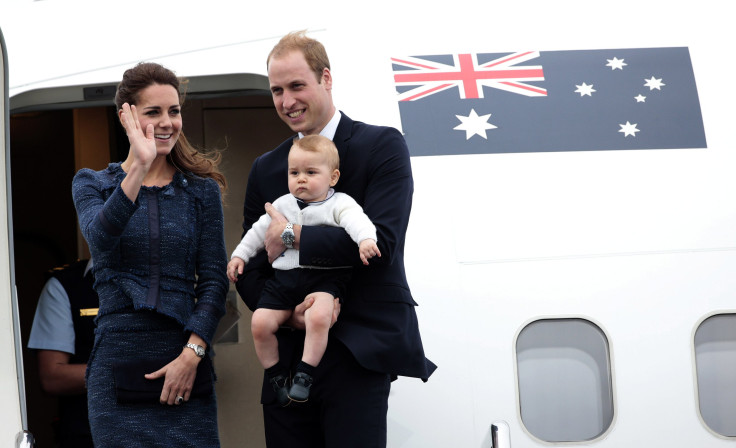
x: 314, y: 52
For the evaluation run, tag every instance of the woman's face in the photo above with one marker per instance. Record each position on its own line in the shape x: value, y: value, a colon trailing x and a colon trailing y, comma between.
x: 158, y: 105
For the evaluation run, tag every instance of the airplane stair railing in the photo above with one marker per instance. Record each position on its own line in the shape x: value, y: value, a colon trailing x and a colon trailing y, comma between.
x: 25, y: 440
x: 500, y: 436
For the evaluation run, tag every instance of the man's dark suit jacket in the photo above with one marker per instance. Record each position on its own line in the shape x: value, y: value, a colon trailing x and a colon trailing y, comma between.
x: 377, y: 321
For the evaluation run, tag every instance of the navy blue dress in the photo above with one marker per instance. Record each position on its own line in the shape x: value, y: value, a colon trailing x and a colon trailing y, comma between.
x: 160, y: 273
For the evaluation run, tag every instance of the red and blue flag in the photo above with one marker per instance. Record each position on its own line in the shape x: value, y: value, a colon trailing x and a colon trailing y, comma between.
x: 581, y: 100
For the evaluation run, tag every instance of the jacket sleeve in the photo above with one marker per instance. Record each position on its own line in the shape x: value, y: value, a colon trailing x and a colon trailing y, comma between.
x: 212, y: 282
x: 388, y: 196
x: 101, y: 221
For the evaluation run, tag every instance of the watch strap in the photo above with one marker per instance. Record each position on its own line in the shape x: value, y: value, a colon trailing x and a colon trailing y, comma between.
x: 198, y: 349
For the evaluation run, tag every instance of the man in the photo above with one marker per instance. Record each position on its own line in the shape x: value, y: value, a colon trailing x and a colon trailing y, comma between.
x: 376, y: 336
x: 63, y: 334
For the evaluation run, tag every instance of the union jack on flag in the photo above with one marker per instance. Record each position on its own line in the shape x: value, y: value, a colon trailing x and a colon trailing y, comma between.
x: 582, y: 100
x: 468, y: 75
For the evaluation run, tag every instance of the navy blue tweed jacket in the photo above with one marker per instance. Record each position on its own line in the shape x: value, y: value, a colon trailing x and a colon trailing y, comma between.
x: 163, y: 252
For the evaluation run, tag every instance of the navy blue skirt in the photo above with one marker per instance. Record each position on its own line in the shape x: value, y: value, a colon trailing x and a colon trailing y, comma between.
x: 143, y: 335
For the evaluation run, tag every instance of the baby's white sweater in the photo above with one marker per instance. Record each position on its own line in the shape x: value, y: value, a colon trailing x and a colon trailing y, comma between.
x: 339, y: 210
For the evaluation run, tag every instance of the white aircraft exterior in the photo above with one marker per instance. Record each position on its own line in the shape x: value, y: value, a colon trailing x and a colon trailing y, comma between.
x: 569, y: 298
x: 12, y: 412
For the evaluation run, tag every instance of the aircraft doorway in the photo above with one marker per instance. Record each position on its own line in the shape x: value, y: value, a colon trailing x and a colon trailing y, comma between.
x: 49, y: 143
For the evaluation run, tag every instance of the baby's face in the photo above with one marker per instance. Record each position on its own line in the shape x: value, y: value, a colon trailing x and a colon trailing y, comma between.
x: 310, y: 177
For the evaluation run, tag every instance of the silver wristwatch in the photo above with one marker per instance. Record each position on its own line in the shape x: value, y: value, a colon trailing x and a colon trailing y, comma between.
x: 287, y: 236
x: 198, y: 349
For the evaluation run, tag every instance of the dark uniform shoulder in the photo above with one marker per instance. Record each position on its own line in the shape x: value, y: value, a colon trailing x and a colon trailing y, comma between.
x: 72, y: 269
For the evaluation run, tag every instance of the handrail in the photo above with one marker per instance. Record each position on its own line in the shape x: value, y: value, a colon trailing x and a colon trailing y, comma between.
x: 500, y: 435
x: 25, y: 440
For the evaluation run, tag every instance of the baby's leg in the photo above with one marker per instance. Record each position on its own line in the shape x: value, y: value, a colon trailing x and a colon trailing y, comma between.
x: 264, y: 324
x: 317, y: 319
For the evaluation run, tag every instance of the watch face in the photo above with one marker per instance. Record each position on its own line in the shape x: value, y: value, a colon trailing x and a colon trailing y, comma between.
x: 198, y: 349
x: 288, y: 238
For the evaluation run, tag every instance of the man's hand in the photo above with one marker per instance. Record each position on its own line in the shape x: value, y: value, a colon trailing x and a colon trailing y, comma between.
x: 273, y: 242
x: 297, y: 317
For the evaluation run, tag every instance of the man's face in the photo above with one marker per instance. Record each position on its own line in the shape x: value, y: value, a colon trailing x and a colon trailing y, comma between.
x: 301, y: 100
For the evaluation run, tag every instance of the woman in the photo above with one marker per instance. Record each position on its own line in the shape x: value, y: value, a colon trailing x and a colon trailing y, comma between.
x: 154, y: 225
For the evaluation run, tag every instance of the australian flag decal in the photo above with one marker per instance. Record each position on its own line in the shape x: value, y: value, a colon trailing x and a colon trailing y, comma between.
x: 581, y: 100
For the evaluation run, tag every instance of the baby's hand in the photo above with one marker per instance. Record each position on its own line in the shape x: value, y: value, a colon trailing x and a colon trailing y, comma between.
x: 235, y: 268
x: 368, y: 249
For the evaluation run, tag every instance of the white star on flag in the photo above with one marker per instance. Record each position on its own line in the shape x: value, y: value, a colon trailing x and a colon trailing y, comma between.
x: 654, y: 83
x: 474, y: 124
x: 585, y: 89
x: 640, y: 98
x: 628, y: 129
x: 616, y: 63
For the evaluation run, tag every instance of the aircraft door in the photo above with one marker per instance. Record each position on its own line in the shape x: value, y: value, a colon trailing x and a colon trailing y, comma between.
x: 12, y: 407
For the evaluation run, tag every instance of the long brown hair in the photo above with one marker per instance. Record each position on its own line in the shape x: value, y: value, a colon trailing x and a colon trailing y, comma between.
x: 184, y: 157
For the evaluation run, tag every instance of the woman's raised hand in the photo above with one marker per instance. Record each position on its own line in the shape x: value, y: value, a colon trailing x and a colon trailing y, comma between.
x: 142, y: 143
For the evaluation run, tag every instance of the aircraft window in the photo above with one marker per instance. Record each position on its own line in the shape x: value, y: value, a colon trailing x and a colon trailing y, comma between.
x: 565, y: 384
x: 715, y: 366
